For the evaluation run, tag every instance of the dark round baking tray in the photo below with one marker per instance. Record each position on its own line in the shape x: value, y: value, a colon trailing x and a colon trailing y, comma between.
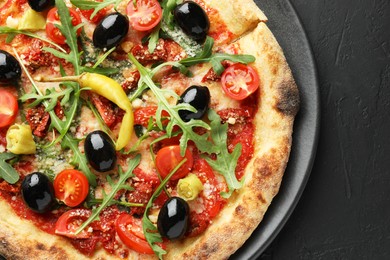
x: 287, y: 28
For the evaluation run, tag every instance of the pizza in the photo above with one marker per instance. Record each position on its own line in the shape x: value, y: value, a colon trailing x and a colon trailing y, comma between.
x: 139, y: 129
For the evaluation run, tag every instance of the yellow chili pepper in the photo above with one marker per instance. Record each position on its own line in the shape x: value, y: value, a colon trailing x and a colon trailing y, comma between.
x: 20, y: 139
x: 113, y: 91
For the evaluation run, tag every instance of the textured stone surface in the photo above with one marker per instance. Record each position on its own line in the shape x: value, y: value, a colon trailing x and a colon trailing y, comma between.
x: 344, y: 212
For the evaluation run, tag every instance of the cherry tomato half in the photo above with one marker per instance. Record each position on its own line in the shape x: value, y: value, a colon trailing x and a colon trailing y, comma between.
x: 129, y: 230
x: 145, y: 15
x: 169, y: 157
x: 239, y: 81
x: 70, y: 221
x: 53, y: 18
x: 71, y: 187
x: 8, y: 107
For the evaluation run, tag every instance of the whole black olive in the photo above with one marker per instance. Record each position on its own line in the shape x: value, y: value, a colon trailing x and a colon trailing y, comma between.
x: 40, y: 5
x: 193, y: 20
x: 173, y: 218
x: 110, y: 31
x: 100, y: 151
x: 199, y: 98
x: 10, y: 69
x: 38, y: 192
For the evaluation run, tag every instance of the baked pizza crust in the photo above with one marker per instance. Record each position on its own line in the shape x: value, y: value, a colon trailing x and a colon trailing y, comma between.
x: 279, y: 103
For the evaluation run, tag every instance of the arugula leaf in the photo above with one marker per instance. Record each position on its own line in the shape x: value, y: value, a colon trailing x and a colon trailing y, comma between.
x: 103, y: 57
x: 98, y: 67
x: 153, y: 39
x: 150, y: 230
x: 201, y: 141
x: 206, y: 51
x: 103, y: 71
x: 216, y: 58
x: 51, y: 95
x: 62, y: 126
x: 11, y: 32
x: 7, y: 172
x: 225, y: 162
x: 115, y: 187
x: 152, y: 235
x: 69, y: 31
x: 86, y: 5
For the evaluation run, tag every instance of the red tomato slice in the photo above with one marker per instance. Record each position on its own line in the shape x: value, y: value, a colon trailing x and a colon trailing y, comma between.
x: 70, y: 221
x: 129, y: 230
x: 239, y: 81
x: 169, y: 157
x: 71, y: 187
x: 145, y: 15
x: 53, y: 18
x: 8, y: 107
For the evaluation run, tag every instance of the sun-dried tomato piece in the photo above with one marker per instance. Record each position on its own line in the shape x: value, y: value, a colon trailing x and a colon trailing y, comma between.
x: 38, y: 120
x: 105, y: 108
x: 166, y: 50
x: 131, y: 81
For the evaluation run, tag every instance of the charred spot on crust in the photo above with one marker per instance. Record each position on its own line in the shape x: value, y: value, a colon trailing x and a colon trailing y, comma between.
x: 288, y: 103
x: 40, y: 246
x: 265, y: 170
x: 57, y: 251
x: 261, y: 198
x: 209, y: 249
x: 240, y: 210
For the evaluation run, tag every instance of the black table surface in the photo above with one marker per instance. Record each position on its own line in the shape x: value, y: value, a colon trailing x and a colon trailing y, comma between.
x: 344, y: 212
